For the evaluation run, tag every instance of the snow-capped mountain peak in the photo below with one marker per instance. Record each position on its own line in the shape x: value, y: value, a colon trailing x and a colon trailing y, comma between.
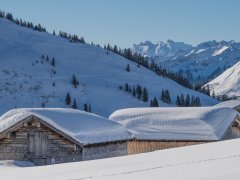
x: 198, y: 63
x: 162, y: 49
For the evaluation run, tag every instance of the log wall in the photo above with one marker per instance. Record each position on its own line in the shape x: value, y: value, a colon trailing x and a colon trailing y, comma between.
x: 17, y: 145
x: 107, y: 150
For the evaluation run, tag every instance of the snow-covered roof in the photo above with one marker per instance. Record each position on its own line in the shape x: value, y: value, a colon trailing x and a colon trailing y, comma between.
x: 85, y: 128
x: 186, y: 123
x: 231, y: 103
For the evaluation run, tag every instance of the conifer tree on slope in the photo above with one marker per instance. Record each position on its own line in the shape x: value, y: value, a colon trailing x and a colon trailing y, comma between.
x: 74, y: 106
x: 68, y: 99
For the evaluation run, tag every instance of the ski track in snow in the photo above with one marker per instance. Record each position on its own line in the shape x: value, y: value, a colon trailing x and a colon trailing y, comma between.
x: 161, y: 167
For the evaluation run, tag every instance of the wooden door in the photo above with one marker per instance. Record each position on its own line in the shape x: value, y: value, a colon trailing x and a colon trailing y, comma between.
x: 38, y: 146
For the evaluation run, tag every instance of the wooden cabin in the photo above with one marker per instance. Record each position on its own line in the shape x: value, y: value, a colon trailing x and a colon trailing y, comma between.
x: 162, y: 128
x: 49, y: 136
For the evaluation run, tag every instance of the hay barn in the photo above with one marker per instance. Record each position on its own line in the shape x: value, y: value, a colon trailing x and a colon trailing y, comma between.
x: 161, y: 128
x: 49, y: 136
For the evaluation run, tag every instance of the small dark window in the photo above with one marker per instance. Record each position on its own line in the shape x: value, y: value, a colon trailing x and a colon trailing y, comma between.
x: 29, y: 124
x: 13, y: 134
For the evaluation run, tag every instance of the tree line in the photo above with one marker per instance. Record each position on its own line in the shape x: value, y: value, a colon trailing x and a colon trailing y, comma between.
x: 71, y: 37
x: 141, y: 93
x: 141, y: 60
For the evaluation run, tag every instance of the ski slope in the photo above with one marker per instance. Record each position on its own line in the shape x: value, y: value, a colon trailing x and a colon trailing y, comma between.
x: 27, y: 80
x: 218, y: 161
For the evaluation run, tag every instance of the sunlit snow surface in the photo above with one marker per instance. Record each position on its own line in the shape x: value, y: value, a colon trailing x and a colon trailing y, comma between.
x: 190, y: 123
x: 210, y: 161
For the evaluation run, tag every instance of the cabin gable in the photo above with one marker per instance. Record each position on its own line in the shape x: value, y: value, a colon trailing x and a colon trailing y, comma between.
x: 233, y: 130
x: 33, y: 140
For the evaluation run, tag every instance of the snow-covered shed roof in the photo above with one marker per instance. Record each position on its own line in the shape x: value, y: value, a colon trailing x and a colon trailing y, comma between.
x: 231, y: 103
x: 186, y: 123
x: 83, y: 127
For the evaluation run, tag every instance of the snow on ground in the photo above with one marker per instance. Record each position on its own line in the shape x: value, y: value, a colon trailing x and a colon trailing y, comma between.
x: 228, y: 82
x: 27, y: 80
x: 200, y: 50
x: 219, y: 160
x: 86, y: 128
x: 186, y: 123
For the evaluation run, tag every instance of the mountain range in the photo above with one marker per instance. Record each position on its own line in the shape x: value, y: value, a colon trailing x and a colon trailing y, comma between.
x: 201, y: 63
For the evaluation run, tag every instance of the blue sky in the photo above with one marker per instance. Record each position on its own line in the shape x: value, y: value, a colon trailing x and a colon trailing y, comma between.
x: 124, y: 22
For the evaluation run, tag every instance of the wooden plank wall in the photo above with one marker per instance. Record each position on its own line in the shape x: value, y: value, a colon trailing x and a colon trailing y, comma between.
x: 135, y: 147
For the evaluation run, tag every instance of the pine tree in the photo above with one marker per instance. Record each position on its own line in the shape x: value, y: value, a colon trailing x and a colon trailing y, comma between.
x: 85, y: 107
x: 151, y: 103
x: 43, y: 105
x: 178, y: 102
x: 155, y: 102
x: 53, y: 62
x: 182, y: 100
x: 162, y: 96
x: 74, y: 81
x: 134, y: 91
x: 54, y: 33
x: 115, y: 49
x: 82, y: 40
x: 126, y: 87
x: 68, y: 99
x: 74, y: 106
x: 128, y: 68
x: 198, y: 102
x: 168, y: 97
x: 129, y: 89
x: 187, y: 102
x: 145, y: 95
x: 192, y: 104
x: 139, y: 91
x: 89, y: 108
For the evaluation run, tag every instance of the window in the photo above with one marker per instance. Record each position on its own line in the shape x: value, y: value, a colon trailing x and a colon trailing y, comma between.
x: 13, y: 134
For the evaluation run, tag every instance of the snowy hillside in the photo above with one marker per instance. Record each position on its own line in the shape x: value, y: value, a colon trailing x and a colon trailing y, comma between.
x: 29, y: 80
x: 218, y: 161
x: 228, y: 83
x: 200, y: 63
